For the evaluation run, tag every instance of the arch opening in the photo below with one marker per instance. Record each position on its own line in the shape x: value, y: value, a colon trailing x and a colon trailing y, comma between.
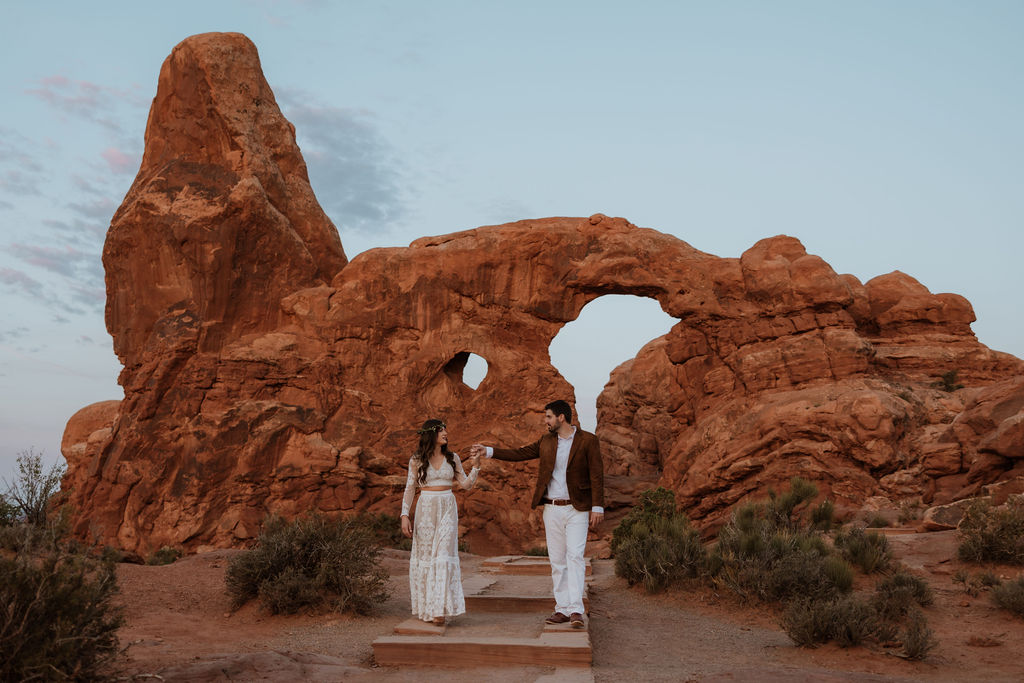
x: 467, y: 368
x: 609, y: 331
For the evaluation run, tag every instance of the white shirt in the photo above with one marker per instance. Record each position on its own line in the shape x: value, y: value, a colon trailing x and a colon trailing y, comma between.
x: 557, y: 488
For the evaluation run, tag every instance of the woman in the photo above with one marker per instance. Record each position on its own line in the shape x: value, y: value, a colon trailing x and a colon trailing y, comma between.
x: 435, y: 579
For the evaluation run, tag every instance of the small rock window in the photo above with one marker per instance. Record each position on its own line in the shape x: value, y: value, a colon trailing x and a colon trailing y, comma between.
x: 467, y: 368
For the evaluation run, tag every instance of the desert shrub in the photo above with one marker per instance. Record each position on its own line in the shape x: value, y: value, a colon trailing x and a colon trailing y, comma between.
x: 58, y: 621
x: 988, y: 579
x: 111, y: 555
x: 918, y: 639
x: 386, y: 529
x: 865, y: 549
x: 910, y: 510
x: 537, y: 551
x: 34, y: 486
x: 9, y: 512
x: 166, y: 555
x: 310, y: 562
x: 1010, y: 596
x: 989, y: 534
x: 654, y: 545
x: 847, y: 619
x: 782, y: 507
x: 897, y: 594
x: 823, y: 516
x: 877, y: 521
x: 948, y: 381
x: 759, y: 555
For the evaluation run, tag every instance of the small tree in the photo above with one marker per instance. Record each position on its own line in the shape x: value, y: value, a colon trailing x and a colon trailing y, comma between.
x: 33, y: 487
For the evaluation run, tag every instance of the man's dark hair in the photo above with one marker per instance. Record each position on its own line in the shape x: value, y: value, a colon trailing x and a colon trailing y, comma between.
x: 560, y: 408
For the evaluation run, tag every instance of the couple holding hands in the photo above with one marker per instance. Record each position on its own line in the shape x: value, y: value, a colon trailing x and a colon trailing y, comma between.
x: 570, y: 486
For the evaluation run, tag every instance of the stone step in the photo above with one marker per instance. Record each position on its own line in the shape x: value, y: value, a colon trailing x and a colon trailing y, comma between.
x: 418, y: 627
x: 523, y: 565
x: 551, y: 649
x: 515, y: 603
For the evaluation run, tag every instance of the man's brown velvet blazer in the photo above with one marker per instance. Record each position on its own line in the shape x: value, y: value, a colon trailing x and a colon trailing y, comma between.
x: 584, y: 475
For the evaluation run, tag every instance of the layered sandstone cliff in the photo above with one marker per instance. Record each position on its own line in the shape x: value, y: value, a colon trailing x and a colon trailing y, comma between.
x: 265, y: 373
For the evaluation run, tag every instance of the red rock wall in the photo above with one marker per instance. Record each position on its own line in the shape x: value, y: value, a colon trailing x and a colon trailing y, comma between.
x: 263, y: 373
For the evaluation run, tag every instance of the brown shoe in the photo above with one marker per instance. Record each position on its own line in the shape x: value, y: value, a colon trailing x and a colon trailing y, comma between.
x: 556, y: 618
x: 438, y: 621
x: 576, y: 620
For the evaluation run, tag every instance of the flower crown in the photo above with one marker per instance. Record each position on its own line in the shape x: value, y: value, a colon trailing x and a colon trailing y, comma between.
x: 432, y: 428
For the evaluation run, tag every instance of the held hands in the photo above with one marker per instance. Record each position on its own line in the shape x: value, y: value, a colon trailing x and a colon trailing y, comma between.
x: 478, y: 451
x: 474, y: 460
x: 407, y: 526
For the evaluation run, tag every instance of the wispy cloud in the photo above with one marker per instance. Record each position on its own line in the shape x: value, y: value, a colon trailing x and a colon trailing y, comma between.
x: 121, y: 162
x: 353, y: 169
x: 21, y: 172
x: 86, y: 100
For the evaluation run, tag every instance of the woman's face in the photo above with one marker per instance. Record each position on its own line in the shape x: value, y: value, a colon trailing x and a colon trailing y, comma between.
x: 442, y: 436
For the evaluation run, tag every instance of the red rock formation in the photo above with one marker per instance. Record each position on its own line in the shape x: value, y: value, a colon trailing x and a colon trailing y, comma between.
x: 264, y: 374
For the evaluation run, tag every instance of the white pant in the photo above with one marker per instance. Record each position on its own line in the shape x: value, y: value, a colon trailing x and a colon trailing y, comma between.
x: 566, y: 530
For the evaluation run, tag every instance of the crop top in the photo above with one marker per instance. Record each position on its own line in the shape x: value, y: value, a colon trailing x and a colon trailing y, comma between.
x: 444, y: 476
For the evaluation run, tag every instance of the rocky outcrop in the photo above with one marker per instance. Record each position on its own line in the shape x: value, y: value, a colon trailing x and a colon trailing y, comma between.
x: 263, y: 373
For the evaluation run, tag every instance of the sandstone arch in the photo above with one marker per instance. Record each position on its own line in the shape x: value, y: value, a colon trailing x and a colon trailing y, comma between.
x: 299, y: 386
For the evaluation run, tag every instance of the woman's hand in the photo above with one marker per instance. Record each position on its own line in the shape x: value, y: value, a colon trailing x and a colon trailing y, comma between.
x: 474, y: 461
x: 406, y: 526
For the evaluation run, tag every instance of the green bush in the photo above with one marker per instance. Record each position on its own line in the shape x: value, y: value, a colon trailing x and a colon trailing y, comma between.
x: 877, y: 521
x: 58, y: 621
x: 989, y: 534
x: 865, y: 549
x: 9, y: 512
x: 311, y: 562
x: 910, y: 510
x: 1010, y: 596
x: 948, y: 381
x: 33, y: 488
x: 782, y: 507
x: 166, y: 555
x: 918, y: 639
x: 654, y: 545
x: 823, y: 516
x: 848, y: 620
x: 762, y: 552
x: 897, y: 594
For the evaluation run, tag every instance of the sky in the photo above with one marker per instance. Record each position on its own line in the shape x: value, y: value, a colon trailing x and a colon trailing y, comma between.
x: 884, y: 134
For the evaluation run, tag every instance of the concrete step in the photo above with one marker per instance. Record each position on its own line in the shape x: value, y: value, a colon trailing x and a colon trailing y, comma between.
x: 523, y: 565
x: 550, y: 649
x: 418, y: 627
x: 515, y: 603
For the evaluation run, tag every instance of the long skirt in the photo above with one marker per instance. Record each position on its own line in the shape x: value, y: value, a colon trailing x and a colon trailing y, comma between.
x: 435, y: 579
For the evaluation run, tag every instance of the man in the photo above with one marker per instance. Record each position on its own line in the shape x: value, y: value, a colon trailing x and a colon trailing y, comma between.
x: 570, y: 486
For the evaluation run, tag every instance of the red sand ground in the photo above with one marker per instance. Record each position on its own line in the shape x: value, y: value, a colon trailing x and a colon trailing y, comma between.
x: 180, y: 626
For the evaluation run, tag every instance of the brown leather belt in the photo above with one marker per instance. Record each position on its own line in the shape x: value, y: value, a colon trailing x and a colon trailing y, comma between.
x: 548, y: 501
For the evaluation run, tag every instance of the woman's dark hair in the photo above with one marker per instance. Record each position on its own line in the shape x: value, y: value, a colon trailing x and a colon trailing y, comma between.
x: 560, y: 408
x: 428, y: 439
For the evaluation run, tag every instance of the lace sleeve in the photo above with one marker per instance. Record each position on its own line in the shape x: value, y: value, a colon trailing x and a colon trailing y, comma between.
x: 410, y: 488
x: 465, y: 481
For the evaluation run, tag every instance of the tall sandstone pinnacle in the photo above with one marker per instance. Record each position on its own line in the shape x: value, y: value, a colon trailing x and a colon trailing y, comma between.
x: 265, y: 373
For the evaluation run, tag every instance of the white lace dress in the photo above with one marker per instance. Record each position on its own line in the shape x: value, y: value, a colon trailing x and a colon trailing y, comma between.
x: 435, y: 579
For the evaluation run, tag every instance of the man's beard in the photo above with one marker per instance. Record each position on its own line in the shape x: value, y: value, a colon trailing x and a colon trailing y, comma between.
x: 553, y: 430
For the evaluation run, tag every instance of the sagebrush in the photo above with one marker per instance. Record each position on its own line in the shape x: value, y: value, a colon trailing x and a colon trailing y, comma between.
x: 312, y: 562
x: 992, y: 534
x: 655, y: 545
x: 58, y: 620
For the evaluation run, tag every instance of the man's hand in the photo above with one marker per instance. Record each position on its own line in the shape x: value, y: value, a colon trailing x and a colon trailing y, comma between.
x: 478, y: 450
x: 407, y: 526
x: 595, y: 519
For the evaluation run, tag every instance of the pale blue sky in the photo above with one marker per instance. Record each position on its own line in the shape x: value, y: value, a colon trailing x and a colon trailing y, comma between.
x: 883, y: 134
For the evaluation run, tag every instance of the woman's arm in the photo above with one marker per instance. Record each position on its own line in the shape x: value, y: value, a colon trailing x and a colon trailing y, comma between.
x: 410, y: 488
x: 465, y: 481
